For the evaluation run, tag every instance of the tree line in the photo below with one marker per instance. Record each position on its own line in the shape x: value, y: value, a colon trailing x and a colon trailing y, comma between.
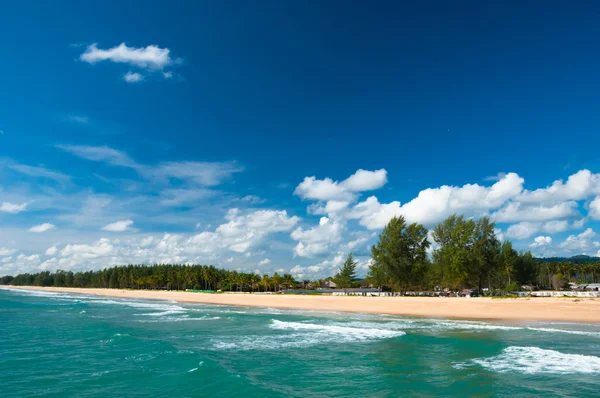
x: 466, y: 253
x: 160, y: 276
x: 458, y: 253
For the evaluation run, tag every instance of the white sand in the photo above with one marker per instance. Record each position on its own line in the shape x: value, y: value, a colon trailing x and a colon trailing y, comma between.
x: 523, y: 309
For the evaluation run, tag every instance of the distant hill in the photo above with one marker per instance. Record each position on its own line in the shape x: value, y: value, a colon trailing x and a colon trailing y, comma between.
x: 581, y: 258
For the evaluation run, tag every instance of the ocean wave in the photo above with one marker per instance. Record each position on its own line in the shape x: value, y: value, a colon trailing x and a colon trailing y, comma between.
x: 345, y: 332
x: 161, y: 308
x: 307, y: 335
x: 168, y: 319
x: 43, y: 293
x: 567, y: 331
x: 534, y: 360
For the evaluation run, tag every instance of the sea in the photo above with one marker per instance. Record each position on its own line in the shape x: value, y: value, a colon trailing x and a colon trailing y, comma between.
x: 72, y: 345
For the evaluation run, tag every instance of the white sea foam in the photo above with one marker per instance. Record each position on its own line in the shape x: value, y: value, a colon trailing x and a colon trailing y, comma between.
x: 307, y: 335
x: 192, y: 370
x: 345, y: 332
x: 534, y: 360
x: 568, y: 331
x: 163, y: 309
x: 171, y: 319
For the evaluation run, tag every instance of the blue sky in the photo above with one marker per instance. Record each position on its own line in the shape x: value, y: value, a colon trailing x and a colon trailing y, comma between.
x: 282, y: 135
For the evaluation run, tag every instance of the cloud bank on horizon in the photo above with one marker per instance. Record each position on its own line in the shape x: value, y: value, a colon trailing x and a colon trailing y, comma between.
x: 90, y: 230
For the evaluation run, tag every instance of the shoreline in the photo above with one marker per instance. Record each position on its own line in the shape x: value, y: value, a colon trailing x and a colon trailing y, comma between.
x: 580, y: 310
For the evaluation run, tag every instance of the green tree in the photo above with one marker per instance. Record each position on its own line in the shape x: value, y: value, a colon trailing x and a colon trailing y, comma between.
x: 508, y: 259
x: 402, y: 252
x: 346, y: 274
x: 377, y: 275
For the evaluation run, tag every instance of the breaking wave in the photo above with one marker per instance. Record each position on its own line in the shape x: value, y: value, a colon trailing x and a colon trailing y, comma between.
x: 534, y: 360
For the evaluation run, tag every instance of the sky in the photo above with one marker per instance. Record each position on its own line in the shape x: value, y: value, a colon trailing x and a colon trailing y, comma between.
x: 281, y: 136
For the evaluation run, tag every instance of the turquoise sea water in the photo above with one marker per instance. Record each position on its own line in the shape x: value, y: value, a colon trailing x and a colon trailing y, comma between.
x: 88, y: 346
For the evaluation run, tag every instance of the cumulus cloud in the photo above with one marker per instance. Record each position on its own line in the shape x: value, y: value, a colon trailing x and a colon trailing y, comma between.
x: 319, y: 239
x: 149, y: 57
x: 244, y: 231
x: 434, y: 204
x: 516, y: 211
x: 4, y: 251
x: 331, y: 207
x: 577, y: 187
x: 42, y: 227
x: 594, y: 209
x: 13, y: 208
x: 327, y: 189
x: 240, y: 233
x: 119, y: 226
x: 525, y: 230
x: 353, y: 244
x: 133, y: 77
x: 541, y: 241
x: 582, y: 243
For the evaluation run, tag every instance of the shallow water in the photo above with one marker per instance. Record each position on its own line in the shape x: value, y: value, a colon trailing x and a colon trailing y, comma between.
x: 57, y: 344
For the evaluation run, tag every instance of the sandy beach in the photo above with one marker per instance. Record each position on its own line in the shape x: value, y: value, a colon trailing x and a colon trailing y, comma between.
x: 534, y: 309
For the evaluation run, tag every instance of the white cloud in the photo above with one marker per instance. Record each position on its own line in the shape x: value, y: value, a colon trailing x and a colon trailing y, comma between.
x: 373, y: 214
x: 594, y: 209
x: 203, y: 173
x: 578, y: 186
x: 318, y: 240
x: 51, y: 251
x: 581, y: 243
x: 6, y: 251
x: 229, y: 260
x: 244, y: 231
x: 41, y: 172
x: 42, y: 227
x: 522, y: 230
x: 515, y: 211
x: 525, y: 230
x: 100, y: 248
x: 327, y: 189
x: 355, y: 243
x: 364, y: 180
x: 12, y: 208
x: 264, y: 262
x: 119, y: 226
x: 331, y: 207
x: 253, y: 199
x: 133, y: 77
x: 541, y: 241
x: 101, y: 154
x: 149, y: 57
x: 78, y: 119
x: 180, y: 196
x: 432, y: 205
x: 497, y: 177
